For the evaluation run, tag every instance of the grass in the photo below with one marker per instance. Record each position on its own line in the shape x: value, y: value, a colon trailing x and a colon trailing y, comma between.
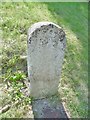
x: 73, y: 17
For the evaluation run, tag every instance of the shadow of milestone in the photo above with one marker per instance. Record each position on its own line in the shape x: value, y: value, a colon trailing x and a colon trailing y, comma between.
x: 50, y: 107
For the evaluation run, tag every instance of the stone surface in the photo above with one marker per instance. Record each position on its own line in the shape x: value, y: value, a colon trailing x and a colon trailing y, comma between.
x: 49, y: 108
x: 46, y: 46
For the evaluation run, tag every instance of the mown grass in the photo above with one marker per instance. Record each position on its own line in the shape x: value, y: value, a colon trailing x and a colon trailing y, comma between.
x: 73, y: 17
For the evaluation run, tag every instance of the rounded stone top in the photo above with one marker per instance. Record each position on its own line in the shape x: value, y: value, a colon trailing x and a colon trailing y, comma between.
x: 38, y: 25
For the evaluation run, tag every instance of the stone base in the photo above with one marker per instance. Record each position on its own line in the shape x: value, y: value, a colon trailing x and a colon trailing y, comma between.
x: 49, y: 108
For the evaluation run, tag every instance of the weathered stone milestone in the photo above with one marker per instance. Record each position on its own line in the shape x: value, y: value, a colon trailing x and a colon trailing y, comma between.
x: 46, y: 47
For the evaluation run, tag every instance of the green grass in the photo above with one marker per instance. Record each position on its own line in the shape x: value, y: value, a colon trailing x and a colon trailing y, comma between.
x: 73, y: 17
